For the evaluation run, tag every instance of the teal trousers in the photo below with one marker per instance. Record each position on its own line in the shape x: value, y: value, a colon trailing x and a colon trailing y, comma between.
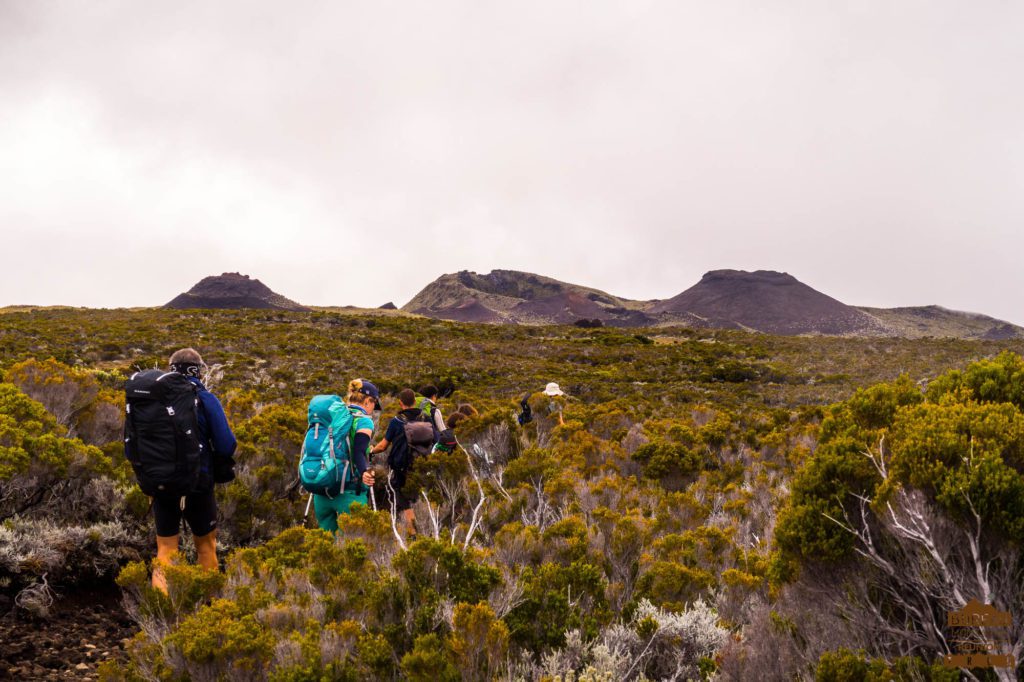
x: 327, y: 508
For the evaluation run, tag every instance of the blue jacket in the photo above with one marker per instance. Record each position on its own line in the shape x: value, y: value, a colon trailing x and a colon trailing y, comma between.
x: 213, y: 425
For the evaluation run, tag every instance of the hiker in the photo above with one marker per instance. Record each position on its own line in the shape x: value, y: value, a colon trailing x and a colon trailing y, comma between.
x: 410, y: 433
x: 174, y: 467
x: 336, y: 488
x: 557, y: 402
x: 555, y: 405
x: 428, y: 405
x: 454, y: 418
x: 467, y: 409
x: 526, y: 414
x: 446, y: 441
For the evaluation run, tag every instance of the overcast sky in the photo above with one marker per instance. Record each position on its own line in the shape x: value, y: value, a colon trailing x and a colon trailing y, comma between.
x: 350, y: 153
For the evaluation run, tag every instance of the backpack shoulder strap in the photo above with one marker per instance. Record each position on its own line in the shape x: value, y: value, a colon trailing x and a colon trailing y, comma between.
x: 352, y: 433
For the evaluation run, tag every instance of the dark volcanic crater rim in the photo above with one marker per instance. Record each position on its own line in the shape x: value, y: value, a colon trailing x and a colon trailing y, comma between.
x: 232, y: 290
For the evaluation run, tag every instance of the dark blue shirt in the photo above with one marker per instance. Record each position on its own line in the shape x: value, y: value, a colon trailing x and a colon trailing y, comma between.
x: 213, y: 425
x: 395, y: 435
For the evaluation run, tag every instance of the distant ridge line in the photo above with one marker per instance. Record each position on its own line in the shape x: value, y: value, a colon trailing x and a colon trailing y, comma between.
x: 763, y: 301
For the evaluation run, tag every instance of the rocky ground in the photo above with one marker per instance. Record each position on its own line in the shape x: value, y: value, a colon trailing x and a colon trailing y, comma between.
x: 84, y: 628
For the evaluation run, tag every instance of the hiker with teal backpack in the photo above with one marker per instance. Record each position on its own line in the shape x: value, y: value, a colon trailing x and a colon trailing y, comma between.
x: 332, y: 465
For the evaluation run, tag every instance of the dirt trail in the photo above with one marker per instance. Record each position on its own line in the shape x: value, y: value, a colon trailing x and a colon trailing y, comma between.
x: 86, y: 626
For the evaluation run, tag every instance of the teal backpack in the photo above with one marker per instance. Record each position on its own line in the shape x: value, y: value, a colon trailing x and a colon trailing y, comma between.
x: 325, y: 463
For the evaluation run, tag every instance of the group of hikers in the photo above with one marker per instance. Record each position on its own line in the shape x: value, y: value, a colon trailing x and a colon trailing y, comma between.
x: 180, y: 445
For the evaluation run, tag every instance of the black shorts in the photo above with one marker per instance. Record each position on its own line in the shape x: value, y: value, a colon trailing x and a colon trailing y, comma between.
x: 397, y: 483
x: 200, y: 514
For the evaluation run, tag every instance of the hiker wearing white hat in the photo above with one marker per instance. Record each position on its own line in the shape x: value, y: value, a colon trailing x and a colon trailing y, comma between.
x: 552, y: 389
x: 543, y: 404
x: 556, y: 405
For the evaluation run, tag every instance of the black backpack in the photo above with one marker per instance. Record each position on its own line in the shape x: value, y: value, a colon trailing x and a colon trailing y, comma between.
x: 161, y: 432
x: 416, y: 440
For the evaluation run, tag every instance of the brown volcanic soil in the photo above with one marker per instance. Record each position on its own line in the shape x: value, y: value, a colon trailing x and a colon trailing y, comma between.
x: 469, y: 311
x: 85, y: 627
x: 771, y: 302
x: 568, y: 307
x: 232, y: 291
x: 521, y: 297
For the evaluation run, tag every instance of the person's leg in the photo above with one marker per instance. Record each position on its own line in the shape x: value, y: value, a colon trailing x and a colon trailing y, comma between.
x: 326, y: 512
x: 166, y: 548
x: 403, y: 505
x: 206, y: 550
x: 350, y: 498
x: 167, y: 515
x: 410, y: 521
x: 201, y: 516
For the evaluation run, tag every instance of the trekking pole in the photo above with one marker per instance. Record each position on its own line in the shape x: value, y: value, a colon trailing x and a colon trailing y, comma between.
x: 308, y: 505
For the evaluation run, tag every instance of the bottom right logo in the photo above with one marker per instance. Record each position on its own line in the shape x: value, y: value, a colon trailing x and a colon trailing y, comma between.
x: 980, y: 625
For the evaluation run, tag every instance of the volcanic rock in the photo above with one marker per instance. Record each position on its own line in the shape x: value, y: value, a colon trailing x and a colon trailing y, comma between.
x: 232, y: 290
x: 770, y: 302
x: 524, y: 298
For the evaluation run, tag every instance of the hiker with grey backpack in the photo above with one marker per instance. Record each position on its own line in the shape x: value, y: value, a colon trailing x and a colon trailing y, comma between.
x: 410, y: 434
x: 332, y: 464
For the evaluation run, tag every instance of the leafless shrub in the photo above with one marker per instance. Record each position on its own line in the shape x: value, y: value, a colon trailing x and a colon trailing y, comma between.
x: 335, y: 646
x: 283, y: 617
x: 30, y: 547
x: 300, y: 585
x: 62, y: 397
x: 37, y: 598
x: 102, y: 423
x: 634, y: 438
x: 509, y: 593
x: 921, y: 564
x: 538, y: 510
x: 287, y: 653
x: 701, y: 417
x: 680, y: 640
x: 669, y: 648
x: 496, y: 441
x: 213, y: 375
x: 572, y: 656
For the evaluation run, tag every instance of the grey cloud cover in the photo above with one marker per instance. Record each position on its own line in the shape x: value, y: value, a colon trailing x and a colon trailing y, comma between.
x: 349, y: 153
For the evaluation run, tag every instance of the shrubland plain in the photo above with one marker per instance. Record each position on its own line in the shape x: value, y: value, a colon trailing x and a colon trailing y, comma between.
x: 716, y: 504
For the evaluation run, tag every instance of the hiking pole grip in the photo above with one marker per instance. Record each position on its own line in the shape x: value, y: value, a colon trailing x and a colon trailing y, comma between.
x: 309, y: 503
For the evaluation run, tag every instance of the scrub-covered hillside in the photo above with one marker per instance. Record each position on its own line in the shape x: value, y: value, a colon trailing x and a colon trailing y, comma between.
x: 700, y: 504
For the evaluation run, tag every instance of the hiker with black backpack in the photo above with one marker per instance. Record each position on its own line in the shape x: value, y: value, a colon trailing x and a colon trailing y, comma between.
x: 179, y: 444
x: 410, y: 434
x: 332, y: 465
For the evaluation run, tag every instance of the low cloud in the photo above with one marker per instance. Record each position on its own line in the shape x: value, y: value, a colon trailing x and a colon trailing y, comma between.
x: 870, y: 149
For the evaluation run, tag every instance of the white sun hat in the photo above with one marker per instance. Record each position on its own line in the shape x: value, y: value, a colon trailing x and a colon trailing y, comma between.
x: 553, y: 389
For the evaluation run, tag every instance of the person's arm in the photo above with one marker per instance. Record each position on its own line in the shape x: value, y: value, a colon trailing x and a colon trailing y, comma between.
x: 389, y: 437
x: 361, y: 446
x: 439, y: 420
x: 221, y: 437
x: 360, y: 442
